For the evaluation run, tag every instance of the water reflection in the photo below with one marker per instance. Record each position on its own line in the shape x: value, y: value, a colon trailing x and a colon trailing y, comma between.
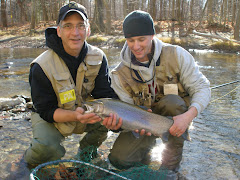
x: 14, y: 69
x: 214, y: 152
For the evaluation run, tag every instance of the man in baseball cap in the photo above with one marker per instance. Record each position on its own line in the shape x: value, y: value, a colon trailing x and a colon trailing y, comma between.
x: 61, y: 78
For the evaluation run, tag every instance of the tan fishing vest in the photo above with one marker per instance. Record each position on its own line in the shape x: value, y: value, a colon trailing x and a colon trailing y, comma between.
x: 68, y: 94
x: 167, y: 72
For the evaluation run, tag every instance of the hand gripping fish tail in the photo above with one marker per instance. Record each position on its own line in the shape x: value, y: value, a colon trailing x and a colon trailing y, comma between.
x: 185, y: 135
x: 133, y: 117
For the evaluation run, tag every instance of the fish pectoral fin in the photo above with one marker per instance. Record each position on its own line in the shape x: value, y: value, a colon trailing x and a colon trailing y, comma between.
x: 165, y: 136
x: 136, y: 135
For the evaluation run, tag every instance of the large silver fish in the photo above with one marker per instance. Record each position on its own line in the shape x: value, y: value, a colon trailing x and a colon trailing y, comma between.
x: 133, y: 116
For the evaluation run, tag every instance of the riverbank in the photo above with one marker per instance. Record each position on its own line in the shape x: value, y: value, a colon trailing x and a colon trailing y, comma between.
x: 19, y: 37
x: 117, y: 41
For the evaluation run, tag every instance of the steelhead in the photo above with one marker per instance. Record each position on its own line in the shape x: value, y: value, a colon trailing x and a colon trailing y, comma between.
x: 133, y: 117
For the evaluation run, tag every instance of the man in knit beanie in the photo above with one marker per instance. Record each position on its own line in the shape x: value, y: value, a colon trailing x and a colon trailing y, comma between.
x: 163, y: 78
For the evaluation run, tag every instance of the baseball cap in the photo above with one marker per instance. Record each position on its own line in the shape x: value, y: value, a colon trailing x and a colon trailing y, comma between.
x: 72, y: 7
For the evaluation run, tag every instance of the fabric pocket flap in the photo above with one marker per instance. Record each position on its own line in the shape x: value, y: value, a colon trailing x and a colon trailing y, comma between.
x: 61, y: 76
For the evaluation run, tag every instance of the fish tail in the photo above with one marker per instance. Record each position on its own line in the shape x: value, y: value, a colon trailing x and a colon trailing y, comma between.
x: 186, y: 136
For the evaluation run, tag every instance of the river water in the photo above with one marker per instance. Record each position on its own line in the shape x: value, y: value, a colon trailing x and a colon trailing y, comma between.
x: 213, y: 153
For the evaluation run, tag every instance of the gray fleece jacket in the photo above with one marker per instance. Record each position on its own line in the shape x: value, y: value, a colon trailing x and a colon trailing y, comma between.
x: 193, y: 81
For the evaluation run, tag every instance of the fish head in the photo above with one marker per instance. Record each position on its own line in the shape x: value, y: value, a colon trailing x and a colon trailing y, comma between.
x: 93, y: 107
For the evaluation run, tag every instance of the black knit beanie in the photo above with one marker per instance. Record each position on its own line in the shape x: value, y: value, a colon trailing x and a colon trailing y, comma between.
x: 138, y: 23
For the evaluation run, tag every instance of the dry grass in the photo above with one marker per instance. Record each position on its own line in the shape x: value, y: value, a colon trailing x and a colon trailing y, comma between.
x: 120, y: 42
x: 96, y: 39
x: 226, y: 45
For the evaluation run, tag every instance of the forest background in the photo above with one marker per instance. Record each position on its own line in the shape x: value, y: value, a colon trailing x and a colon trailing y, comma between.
x: 216, y: 20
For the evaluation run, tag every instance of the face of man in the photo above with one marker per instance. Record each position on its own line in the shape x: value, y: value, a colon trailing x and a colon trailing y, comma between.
x: 73, y: 31
x: 140, y: 46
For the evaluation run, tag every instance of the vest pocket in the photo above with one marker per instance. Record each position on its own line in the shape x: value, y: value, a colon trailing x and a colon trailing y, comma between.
x: 62, y: 81
x: 65, y: 86
x: 89, y: 78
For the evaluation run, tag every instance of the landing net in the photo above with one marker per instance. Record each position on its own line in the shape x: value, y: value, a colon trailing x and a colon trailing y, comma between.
x: 96, y: 168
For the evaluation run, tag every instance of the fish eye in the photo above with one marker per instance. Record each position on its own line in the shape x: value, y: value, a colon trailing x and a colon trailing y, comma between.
x: 84, y: 107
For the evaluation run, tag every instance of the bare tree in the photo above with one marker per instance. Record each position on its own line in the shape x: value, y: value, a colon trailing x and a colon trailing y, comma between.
x: 191, y: 9
x: 33, y: 17
x: 223, y: 16
x: 107, y: 4
x: 44, y: 10
x: 161, y: 13
x: 237, y: 25
x: 202, y: 13
x: 234, y: 11
x: 23, y: 15
x: 131, y: 5
x: 11, y: 13
x: 98, y: 24
x: 3, y: 14
x: 153, y: 9
x: 210, y: 11
x: 114, y: 9
x: 125, y: 8
x: 178, y: 11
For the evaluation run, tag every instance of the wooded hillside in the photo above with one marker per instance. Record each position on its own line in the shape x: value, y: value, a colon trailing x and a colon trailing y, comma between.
x: 182, y: 16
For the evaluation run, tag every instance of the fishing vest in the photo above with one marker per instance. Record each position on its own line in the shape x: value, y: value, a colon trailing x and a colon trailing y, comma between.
x: 71, y: 95
x: 166, y: 72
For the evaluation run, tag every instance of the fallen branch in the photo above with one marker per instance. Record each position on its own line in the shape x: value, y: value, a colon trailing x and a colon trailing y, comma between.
x: 213, y: 36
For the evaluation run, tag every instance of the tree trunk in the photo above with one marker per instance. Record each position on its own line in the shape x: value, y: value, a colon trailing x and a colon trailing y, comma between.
x: 191, y: 9
x: 178, y: 7
x: 98, y: 24
x: 44, y: 10
x: 125, y: 8
x: 203, y: 11
x: 114, y: 9
x: 3, y: 14
x: 173, y: 11
x: 131, y: 5
x: 33, y: 17
x: 107, y: 4
x: 152, y: 9
x: 223, y: 12
x: 210, y: 11
x: 173, y: 30
x: 11, y: 16
x: 161, y: 11
x: 237, y: 25
x: 234, y: 12
x: 165, y: 10
x: 55, y: 10
x: 143, y: 5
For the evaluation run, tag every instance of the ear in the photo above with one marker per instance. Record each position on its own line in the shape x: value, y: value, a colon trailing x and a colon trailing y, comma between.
x: 58, y: 31
x: 88, y: 31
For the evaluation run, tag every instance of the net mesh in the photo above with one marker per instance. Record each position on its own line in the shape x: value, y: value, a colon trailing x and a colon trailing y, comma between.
x: 87, y: 165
